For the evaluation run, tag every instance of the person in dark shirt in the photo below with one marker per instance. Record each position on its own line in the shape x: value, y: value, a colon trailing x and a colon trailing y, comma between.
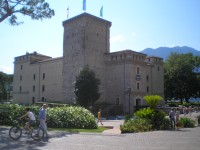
x: 172, y: 117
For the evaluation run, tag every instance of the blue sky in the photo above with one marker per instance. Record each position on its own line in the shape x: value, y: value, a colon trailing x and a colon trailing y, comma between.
x: 136, y: 25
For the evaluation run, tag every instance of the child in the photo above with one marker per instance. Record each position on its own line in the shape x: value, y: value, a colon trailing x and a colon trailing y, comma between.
x: 31, y: 118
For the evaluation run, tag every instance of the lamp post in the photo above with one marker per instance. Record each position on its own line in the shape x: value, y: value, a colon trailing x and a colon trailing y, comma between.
x: 128, y: 91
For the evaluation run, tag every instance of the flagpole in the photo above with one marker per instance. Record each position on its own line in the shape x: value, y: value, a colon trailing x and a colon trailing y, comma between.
x: 68, y: 12
x: 101, y: 11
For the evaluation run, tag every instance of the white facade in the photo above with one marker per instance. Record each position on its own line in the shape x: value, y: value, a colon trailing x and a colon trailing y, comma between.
x: 37, y: 78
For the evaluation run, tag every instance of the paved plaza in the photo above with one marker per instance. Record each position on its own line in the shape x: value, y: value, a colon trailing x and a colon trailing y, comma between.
x: 184, y: 139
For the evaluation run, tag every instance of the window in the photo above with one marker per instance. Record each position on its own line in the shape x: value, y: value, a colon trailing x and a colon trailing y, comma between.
x: 20, y: 77
x: 20, y: 89
x: 34, y: 76
x: 138, y: 86
x: 43, y: 88
x: 158, y: 68
x: 34, y: 88
x: 43, y: 76
x: 147, y: 77
x: 21, y: 67
x: 138, y: 70
x: 147, y: 89
x: 33, y: 100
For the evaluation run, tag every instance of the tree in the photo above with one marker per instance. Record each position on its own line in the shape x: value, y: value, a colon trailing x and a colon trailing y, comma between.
x: 152, y: 100
x: 181, y: 76
x: 87, y: 87
x: 4, y: 82
x: 36, y: 9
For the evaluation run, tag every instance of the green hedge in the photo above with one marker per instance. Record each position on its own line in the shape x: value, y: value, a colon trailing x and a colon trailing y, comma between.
x: 155, y: 117
x: 57, y: 117
x: 187, y: 122
x: 135, y: 125
x: 71, y: 117
x: 10, y: 114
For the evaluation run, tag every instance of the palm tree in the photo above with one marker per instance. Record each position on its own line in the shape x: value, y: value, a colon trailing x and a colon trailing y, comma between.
x: 152, y: 100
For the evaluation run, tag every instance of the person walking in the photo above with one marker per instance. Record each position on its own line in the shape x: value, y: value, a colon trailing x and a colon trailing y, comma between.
x: 185, y: 111
x: 99, y: 117
x: 172, y: 118
x: 190, y: 110
x: 177, y: 118
x: 42, y: 119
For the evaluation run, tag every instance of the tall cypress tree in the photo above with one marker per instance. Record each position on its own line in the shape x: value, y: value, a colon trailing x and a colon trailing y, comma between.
x: 87, y: 87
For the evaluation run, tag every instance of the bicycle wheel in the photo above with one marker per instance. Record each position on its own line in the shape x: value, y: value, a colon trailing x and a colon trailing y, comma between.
x: 15, y: 133
x: 37, y: 133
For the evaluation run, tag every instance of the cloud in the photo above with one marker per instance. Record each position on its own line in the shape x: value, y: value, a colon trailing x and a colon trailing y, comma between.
x: 6, y: 69
x: 117, y: 38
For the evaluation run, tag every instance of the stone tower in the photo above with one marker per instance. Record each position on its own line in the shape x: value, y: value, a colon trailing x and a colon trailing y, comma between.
x: 86, y: 41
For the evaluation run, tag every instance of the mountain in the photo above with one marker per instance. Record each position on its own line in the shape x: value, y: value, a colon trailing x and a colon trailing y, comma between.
x: 164, y: 52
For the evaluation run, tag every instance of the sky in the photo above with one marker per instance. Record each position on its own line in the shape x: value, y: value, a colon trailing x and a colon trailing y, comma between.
x: 136, y: 25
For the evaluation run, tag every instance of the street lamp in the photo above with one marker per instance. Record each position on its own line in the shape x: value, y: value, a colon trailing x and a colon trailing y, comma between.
x: 128, y: 91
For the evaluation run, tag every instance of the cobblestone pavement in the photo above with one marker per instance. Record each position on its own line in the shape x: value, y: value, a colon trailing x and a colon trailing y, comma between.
x: 184, y: 139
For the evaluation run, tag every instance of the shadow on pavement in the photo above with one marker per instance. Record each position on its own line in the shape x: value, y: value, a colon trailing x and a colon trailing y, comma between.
x: 26, y: 142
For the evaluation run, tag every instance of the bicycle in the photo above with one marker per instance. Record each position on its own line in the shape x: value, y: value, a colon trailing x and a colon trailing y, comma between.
x: 17, y: 129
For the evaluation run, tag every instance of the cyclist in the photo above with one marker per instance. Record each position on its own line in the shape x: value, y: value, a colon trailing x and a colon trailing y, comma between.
x: 31, y: 118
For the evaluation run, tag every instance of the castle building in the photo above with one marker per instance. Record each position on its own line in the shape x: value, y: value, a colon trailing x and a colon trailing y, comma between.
x: 126, y: 76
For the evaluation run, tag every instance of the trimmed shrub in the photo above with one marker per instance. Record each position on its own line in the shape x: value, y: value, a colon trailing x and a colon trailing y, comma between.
x: 166, y: 124
x: 155, y: 117
x: 12, y: 112
x: 187, y: 122
x: 71, y: 117
x: 58, y: 117
x: 135, y: 125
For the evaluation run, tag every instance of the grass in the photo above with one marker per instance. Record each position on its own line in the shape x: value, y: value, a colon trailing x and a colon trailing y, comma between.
x: 72, y: 130
x: 98, y: 130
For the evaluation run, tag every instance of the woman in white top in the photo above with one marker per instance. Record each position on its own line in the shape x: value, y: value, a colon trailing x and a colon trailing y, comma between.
x: 31, y: 118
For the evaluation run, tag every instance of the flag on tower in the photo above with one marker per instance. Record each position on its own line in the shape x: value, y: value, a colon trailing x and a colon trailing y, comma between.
x: 68, y: 12
x: 84, y: 5
x: 101, y: 11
